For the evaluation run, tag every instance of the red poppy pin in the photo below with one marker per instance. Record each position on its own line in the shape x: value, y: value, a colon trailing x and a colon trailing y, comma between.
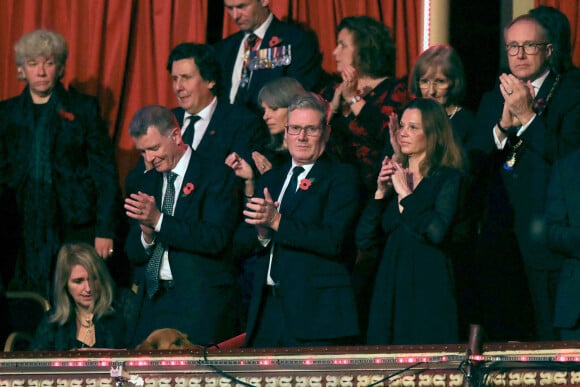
x: 305, y: 184
x: 274, y: 41
x: 187, y: 189
x: 66, y: 115
x: 539, y: 105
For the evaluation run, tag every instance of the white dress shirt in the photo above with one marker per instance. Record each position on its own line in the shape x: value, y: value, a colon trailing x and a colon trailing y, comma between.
x: 180, y: 170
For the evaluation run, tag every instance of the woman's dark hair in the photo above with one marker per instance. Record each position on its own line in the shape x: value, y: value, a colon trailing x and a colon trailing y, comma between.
x: 557, y: 26
x: 374, y: 47
x: 442, y: 149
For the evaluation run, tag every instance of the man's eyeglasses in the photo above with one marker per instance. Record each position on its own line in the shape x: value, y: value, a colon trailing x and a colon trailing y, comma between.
x: 529, y: 48
x: 438, y: 84
x: 311, y: 131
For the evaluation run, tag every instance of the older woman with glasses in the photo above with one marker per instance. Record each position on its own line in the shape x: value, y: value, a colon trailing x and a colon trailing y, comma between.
x: 438, y: 74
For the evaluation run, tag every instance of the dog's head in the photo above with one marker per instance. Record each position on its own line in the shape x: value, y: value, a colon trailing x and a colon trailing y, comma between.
x: 167, y: 338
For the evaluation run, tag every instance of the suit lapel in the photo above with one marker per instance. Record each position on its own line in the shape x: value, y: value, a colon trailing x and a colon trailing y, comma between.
x: 545, y: 93
x: 190, y: 187
x: 308, y: 184
x: 214, y: 127
x: 546, y: 86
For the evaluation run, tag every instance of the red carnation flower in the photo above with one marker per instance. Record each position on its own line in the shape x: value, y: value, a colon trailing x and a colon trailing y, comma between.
x: 274, y: 41
x: 305, y: 184
x: 66, y: 115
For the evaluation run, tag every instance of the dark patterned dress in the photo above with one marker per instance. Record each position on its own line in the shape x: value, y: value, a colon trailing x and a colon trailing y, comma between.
x: 361, y: 140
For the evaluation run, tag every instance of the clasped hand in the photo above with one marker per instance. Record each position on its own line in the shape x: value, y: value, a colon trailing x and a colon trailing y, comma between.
x: 392, y: 174
x: 263, y: 213
x: 518, y: 99
x: 142, y: 208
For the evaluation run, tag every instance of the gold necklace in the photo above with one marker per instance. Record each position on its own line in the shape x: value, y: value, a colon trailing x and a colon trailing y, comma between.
x: 86, y: 324
x: 85, y: 321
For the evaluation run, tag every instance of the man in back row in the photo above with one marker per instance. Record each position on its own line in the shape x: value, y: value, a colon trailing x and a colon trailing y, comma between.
x: 531, y: 120
x: 264, y: 49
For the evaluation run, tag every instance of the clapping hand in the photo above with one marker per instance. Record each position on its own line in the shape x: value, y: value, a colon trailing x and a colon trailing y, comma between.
x: 402, y: 181
x: 384, y: 180
x: 263, y: 213
x: 241, y: 167
x: 262, y: 162
x: 393, y: 129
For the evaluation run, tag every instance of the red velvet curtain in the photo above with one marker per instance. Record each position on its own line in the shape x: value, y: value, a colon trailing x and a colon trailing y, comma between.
x: 571, y: 9
x: 118, y: 48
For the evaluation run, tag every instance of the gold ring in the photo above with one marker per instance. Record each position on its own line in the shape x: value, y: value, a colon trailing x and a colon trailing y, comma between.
x: 111, y: 251
x: 263, y: 166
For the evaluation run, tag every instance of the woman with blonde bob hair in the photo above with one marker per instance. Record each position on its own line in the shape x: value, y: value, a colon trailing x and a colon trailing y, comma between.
x: 83, y: 315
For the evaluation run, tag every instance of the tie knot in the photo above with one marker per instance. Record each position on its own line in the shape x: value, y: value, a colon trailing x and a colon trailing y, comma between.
x: 171, y: 176
x: 297, y: 171
x: 251, y: 40
x: 193, y: 119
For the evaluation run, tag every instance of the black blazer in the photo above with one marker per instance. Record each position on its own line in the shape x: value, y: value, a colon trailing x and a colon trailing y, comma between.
x: 563, y: 220
x: 197, y: 235
x: 231, y: 129
x: 311, y: 271
x: 84, y: 172
x: 49, y: 336
x: 552, y: 134
x: 305, y: 65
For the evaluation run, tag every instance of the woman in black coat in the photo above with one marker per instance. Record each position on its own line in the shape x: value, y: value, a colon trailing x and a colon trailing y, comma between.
x: 413, y: 301
x: 57, y: 158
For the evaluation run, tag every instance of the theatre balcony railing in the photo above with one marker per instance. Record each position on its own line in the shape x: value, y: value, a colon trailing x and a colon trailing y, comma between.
x: 500, y: 364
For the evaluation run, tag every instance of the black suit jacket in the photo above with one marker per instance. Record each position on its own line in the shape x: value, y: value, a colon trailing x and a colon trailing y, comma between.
x: 313, y: 279
x: 563, y: 219
x: 196, y: 235
x: 552, y: 134
x: 305, y: 65
x: 231, y: 129
x: 84, y: 172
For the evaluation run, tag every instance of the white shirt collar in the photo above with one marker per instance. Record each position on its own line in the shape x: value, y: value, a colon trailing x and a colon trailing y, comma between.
x: 205, y: 113
x: 181, y: 168
x: 538, y: 82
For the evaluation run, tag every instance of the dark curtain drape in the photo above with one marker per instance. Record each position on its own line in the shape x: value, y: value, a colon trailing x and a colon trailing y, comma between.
x: 119, y: 48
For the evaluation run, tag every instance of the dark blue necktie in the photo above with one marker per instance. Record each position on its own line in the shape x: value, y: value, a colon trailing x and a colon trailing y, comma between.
x: 290, y: 193
x: 189, y: 133
x: 152, y: 271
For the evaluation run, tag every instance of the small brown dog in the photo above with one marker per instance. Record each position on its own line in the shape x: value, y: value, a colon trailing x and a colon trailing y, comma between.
x: 167, y: 338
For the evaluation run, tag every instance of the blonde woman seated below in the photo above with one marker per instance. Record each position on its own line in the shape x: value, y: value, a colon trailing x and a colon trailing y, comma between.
x: 82, y: 316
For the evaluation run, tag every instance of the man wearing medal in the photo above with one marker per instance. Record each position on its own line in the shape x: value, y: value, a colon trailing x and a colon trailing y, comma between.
x: 264, y: 49
x: 529, y: 121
